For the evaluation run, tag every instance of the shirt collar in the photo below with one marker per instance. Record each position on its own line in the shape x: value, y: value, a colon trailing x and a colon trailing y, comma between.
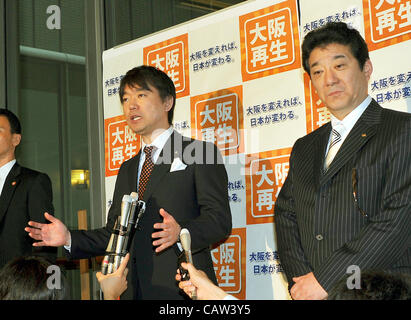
x: 350, y: 120
x: 5, y: 169
x: 161, y: 140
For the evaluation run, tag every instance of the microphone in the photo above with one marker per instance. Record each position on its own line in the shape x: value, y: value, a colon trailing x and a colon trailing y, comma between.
x: 108, y: 258
x: 137, y: 210
x: 131, y: 223
x: 126, y: 205
x: 185, y: 240
x: 123, y: 232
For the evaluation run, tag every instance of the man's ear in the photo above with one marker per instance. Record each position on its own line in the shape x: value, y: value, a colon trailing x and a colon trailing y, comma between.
x: 368, y: 68
x: 16, y: 138
x: 168, y: 103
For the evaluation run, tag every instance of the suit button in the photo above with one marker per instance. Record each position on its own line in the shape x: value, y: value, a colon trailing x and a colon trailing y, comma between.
x: 319, y: 237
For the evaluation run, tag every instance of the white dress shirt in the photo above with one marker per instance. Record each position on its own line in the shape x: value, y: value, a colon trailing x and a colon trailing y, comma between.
x: 158, y: 143
x: 4, y: 172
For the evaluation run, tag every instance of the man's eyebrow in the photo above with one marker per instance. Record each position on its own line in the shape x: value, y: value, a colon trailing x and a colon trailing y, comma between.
x: 139, y: 88
x: 338, y: 56
x: 314, y: 64
x: 135, y: 88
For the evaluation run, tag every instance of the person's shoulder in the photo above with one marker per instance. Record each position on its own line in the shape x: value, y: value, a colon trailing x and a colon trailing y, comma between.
x: 192, y: 142
x: 394, y: 123
x: 196, y: 151
x: 313, y: 135
x: 32, y: 173
x: 130, y: 162
x: 397, y: 116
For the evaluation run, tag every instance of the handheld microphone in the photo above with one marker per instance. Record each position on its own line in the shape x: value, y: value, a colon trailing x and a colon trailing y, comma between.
x: 123, y: 232
x: 107, y: 261
x: 126, y: 205
x: 185, y: 240
x: 138, y: 209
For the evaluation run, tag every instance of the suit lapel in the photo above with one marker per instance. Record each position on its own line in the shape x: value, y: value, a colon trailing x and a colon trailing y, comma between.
x: 132, y: 176
x: 319, y: 149
x: 10, y: 185
x: 163, y: 164
x: 361, y: 133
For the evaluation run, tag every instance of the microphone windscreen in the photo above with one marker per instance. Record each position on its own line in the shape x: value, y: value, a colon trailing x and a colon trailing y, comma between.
x: 185, y: 239
x: 127, y: 198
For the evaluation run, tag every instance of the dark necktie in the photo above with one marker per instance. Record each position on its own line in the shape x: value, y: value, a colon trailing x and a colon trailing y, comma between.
x: 145, y: 171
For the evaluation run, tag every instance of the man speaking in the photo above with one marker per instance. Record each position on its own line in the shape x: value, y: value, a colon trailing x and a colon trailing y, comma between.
x: 183, y: 182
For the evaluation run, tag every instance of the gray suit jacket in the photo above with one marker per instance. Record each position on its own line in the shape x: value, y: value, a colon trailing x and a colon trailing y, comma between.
x: 319, y: 227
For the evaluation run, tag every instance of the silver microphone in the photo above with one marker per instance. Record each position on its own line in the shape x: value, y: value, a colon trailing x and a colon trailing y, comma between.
x: 126, y: 205
x: 185, y: 240
x: 130, y: 225
x: 107, y: 264
x: 123, y: 232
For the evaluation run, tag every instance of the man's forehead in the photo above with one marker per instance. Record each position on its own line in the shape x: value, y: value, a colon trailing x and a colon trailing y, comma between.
x: 137, y: 87
x: 335, y: 49
x: 4, y: 121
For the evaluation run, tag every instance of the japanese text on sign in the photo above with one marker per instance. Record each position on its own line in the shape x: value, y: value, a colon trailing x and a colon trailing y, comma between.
x: 217, y: 121
x: 389, y: 18
x: 267, y: 178
x: 227, y: 264
x: 121, y: 144
x: 269, y: 41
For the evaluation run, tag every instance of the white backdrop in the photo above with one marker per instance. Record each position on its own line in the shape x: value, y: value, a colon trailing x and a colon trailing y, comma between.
x: 240, y: 84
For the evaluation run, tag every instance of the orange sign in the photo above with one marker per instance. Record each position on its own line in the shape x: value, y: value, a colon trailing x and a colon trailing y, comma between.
x: 386, y: 22
x: 229, y: 260
x: 265, y: 176
x: 171, y: 56
x: 121, y: 144
x: 269, y: 41
x: 217, y: 117
x: 317, y: 113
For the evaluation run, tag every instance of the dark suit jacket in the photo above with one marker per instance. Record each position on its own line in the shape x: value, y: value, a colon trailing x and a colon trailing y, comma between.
x: 320, y: 229
x: 196, y: 197
x: 26, y: 195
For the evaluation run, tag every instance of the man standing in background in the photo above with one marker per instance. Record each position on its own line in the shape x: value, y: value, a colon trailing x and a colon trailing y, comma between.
x: 24, y: 195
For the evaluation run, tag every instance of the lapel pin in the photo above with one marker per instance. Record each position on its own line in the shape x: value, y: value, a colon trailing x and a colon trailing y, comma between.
x: 364, y: 135
x: 13, y: 183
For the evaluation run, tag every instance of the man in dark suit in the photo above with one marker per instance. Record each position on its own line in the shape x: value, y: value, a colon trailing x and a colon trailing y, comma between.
x: 187, y: 188
x: 24, y: 195
x: 346, y: 200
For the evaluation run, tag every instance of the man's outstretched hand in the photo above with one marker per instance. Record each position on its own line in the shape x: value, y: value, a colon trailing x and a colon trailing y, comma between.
x: 169, y: 233
x: 54, y: 234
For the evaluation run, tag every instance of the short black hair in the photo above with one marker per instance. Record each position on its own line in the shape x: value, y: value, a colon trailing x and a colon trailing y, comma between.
x: 25, y: 278
x: 143, y: 76
x: 335, y: 32
x: 15, y: 125
x: 375, y: 285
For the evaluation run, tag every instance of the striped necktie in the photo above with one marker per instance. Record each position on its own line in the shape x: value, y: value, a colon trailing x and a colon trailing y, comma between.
x: 145, y: 171
x: 335, y: 144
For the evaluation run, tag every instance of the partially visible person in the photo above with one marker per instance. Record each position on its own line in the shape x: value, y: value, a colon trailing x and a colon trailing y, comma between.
x: 32, y: 278
x: 24, y: 195
x: 206, y: 289
x: 346, y: 198
x: 375, y: 285
x: 114, y: 284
